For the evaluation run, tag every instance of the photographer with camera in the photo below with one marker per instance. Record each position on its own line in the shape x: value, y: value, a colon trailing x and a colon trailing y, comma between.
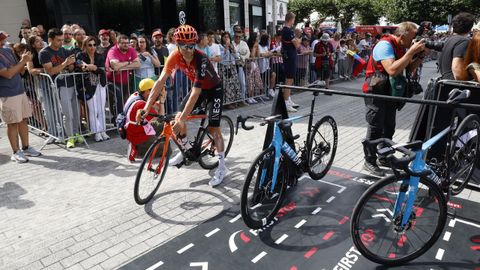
x: 451, y: 61
x: 385, y: 69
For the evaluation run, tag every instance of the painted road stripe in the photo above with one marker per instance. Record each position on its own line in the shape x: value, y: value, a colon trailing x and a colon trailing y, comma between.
x: 281, y: 239
x: 235, y: 218
x: 468, y: 222
x: 231, y: 242
x: 155, y: 266
x: 451, y: 223
x: 342, y: 188
x: 447, y: 235
x: 214, y: 231
x: 440, y: 253
x: 318, y: 209
x: 328, y: 235
x: 331, y: 199
x: 310, y: 252
x: 185, y: 248
x: 303, y: 177
x: 259, y: 257
x: 300, y: 224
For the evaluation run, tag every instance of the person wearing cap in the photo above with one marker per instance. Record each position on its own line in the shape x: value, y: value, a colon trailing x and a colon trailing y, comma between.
x: 140, y: 137
x: 159, y: 47
x: 15, y: 107
x: 323, y: 53
x: 105, y: 45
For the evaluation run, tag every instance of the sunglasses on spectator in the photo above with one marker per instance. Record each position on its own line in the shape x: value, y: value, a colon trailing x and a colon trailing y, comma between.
x: 186, y: 46
x: 92, y: 44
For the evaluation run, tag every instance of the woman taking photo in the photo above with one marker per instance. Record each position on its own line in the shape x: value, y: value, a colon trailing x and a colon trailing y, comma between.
x: 148, y: 61
x: 93, y: 89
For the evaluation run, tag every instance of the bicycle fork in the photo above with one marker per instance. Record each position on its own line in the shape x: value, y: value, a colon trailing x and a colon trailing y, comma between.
x: 409, y: 185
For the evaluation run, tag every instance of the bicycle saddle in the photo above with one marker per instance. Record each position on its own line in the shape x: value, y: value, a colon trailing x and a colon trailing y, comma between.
x: 456, y: 95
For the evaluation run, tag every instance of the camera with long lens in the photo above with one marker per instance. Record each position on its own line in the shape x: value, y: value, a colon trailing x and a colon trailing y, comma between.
x: 425, y: 30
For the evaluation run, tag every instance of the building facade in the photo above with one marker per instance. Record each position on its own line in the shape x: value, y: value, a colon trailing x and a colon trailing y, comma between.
x: 142, y: 16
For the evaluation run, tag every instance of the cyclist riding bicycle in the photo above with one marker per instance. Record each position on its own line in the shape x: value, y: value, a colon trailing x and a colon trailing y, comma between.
x: 207, y: 87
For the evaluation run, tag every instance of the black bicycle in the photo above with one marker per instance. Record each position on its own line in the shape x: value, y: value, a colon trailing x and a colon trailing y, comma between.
x: 280, y: 165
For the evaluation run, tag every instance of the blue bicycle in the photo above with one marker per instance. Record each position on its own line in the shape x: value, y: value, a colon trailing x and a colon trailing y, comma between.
x: 402, y: 215
x: 280, y: 165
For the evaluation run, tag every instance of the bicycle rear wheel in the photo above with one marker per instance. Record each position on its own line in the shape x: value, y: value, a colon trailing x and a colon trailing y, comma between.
x: 376, y: 233
x: 259, y: 204
x: 151, y: 172
x: 321, y: 147
x: 208, y: 159
x: 463, y: 153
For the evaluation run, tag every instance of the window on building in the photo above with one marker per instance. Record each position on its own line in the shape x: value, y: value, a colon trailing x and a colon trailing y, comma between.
x: 235, y: 15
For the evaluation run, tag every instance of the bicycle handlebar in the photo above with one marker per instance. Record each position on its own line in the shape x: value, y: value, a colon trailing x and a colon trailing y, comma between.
x: 391, y: 147
x: 242, y: 120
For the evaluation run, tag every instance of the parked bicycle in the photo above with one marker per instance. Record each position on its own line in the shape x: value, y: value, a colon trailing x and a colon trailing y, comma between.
x: 401, y: 216
x: 155, y: 162
x: 280, y: 165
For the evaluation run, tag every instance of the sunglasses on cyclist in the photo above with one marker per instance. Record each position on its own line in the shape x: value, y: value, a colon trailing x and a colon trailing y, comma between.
x: 186, y: 46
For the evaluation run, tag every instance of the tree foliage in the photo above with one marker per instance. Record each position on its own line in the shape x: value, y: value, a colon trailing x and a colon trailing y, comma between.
x: 396, y: 11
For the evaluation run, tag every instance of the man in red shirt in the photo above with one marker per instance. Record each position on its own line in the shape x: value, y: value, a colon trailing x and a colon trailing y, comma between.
x: 207, y: 87
x: 141, y: 135
x: 120, y: 58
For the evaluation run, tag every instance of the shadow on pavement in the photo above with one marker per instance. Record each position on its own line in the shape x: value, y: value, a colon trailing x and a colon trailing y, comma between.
x: 186, y: 206
x: 90, y: 167
x: 10, y: 197
x: 4, y: 159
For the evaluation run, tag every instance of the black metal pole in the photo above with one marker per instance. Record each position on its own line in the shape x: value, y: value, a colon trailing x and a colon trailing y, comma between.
x: 390, y: 98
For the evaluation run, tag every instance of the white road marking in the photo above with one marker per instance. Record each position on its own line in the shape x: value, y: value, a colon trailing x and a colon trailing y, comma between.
x: 318, y: 209
x: 256, y: 206
x: 467, y: 222
x: 383, y: 216
x: 155, y: 266
x: 342, y: 188
x: 281, y: 239
x: 214, y: 231
x: 231, y: 242
x: 331, y: 199
x: 451, y: 223
x: 385, y: 210
x: 447, y: 235
x: 440, y: 253
x: 185, y: 248
x: 259, y: 257
x: 235, y: 218
x: 302, y: 177
x: 300, y: 224
x: 204, y: 265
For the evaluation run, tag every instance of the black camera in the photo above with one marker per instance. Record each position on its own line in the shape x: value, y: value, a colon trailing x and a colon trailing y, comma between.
x: 425, y: 30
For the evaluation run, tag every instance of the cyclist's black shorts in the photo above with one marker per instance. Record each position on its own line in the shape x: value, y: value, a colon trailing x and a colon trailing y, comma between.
x: 214, y: 102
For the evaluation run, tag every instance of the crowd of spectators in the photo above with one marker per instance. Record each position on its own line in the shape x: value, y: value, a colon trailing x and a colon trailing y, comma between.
x: 250, y: 67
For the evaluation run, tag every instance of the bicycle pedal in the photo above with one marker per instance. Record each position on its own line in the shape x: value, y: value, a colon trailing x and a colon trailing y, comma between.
x: 179, y: 165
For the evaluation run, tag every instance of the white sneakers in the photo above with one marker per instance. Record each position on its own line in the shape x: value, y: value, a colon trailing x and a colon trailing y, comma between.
x: 98, y: 137
x: 291, y: 106
x: 218, y: 176
x: 177, y: 159
x: 20, y: 155
x: 271, y: 92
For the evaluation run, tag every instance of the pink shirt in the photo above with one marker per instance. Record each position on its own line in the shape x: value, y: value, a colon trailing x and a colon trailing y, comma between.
x: 335, y: 43
x: 121, y: 77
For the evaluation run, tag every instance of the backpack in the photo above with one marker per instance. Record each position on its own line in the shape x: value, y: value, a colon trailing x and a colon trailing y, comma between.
x: 122, y: 117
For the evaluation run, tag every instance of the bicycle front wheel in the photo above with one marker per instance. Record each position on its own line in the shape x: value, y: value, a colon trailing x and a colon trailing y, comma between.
x: 151, y: 172
x: 463, y: 153
x: 208, y: 159
x: 321, y: 147
x: 259, y: 201
x: 379, y: 236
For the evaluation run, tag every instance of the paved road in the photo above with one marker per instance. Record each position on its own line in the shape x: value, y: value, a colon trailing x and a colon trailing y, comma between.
x: 74, y: 209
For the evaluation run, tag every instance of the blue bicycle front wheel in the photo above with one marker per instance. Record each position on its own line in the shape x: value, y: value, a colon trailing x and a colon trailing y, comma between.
x: 379, y: 235
x: 262, y: 193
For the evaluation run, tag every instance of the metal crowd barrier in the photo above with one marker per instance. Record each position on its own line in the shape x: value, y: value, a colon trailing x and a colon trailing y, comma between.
x: 81, y: 104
